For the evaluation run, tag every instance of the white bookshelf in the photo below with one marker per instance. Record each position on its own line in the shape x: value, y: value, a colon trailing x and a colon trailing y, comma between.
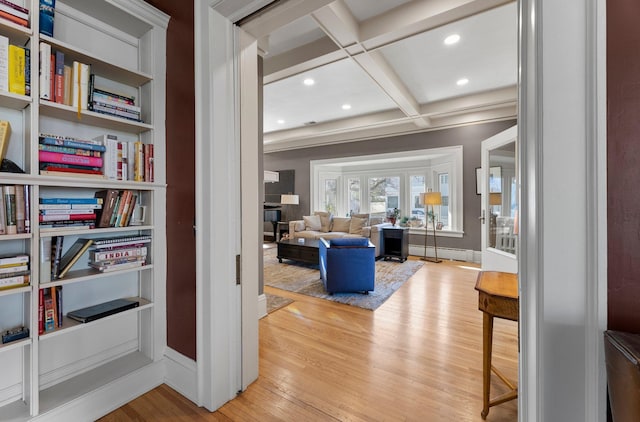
x: 81, y: 371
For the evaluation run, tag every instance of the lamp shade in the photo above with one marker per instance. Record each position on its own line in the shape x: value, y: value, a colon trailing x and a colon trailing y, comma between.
x: 289, y: 199
x: 495, y: 199
x: 431, y: 198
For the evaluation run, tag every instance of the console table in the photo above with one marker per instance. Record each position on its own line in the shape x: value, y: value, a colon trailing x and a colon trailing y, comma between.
x: 497, y: 298
x: 395, y: 243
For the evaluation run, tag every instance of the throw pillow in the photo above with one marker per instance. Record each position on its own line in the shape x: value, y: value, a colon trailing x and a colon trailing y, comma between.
x: 366, y: 216
x: 312, y: 222
x: 357, y: 224
x: 325, y: 220
x: 341, y: 224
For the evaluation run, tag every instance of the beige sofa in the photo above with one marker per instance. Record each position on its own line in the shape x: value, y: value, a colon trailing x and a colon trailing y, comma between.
x: 324, y: 225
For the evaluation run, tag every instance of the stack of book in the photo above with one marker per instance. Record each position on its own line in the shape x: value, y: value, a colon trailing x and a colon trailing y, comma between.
x: 63, y: 156
x: 14, y: 271
x: 14, y: 13
x: 119, y: 253
x: 15, y: 209
x: 68, y: 213
x: 50, y: 309
x: 15, y: 67
x: 111, y: 103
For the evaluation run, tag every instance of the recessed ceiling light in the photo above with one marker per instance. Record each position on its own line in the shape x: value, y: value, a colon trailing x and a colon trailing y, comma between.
x: 452, y: 39
x: 346, y: 106
x: 462, y: 82
x: 280, y: 122
x: 308, y: 82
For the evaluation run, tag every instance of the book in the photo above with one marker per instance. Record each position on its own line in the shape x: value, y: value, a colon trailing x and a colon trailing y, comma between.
x: 134, y: 263
x: 73, y: 254
x: 9, y: 194
x: 64, y: 172
x: 14, y: 9
x: 69, y: 150
x: 109, y: 198
x: 54, y: 306
x: 49, y: 313
x: 20, y: 209
x: 3, y: 219
x: 59, y: 78
x: 45, y: 71
x: 80, y: 207
x: 45, y: 260
x: 114, y: 254
x: 80, y: 86
x: 59, y: 305
x: 56, y: 254
x: 122, y: 205
x: 5, y: 134
x: 13, y: 260
x: 11, y: 17
x: 58, y: 227
x: 139, y: 161
x: 4, y: 63
x: 27, y: 208
x: 66, y: 217
x: 56, y: 157
x: 68, y: 79
x: 40, y: 311
x: 13, y: 270
x: 71, y: 201
x: 101, y: 310
x: 14, y: 281
x: 112, y: 242
x: 47, y: 15
x: 16, y: 69
x: 67, y: 211
x: 72, y: 143
x: 27, y: 71
x: 110, y: 158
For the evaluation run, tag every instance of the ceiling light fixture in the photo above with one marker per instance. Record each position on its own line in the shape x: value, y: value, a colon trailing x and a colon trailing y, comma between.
x: 452, y: 39
x: 462, y: 82
x: 280, y: 122
x: 308, y: 82
x: 346, y: 106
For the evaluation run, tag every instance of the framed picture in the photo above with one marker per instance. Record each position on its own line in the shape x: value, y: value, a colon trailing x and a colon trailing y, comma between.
x: 478, y: 180
x: 495, y: 179
x: 439, y: 225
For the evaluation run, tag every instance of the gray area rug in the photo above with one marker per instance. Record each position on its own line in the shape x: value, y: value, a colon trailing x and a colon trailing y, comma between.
x: 275, y: 302
x: 305, y: 279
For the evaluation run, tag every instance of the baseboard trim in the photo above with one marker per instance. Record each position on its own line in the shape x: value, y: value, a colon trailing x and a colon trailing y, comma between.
x: 262, y: 306
x: 467, y: 255
x: 181, y: 374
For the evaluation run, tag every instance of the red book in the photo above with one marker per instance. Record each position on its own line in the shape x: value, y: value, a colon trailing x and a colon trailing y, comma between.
x: 14, y: 19
x: 58, y: 157
x: 52, y: 78
x: 66, y: 217
x: 59, y: 77
x: 88, y: 170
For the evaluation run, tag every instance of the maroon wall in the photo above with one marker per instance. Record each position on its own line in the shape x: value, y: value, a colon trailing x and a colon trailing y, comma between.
x: 180, y: 124
x: 623, y: 184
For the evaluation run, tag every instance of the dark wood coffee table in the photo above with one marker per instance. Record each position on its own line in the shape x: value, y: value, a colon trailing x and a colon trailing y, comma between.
x: 304, y: 251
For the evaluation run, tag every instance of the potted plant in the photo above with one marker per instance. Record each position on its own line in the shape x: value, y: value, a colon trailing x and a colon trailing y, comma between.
x: 392, y: 215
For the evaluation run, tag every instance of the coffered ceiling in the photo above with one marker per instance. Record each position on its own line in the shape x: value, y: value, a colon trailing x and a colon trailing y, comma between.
x: 381, y: 68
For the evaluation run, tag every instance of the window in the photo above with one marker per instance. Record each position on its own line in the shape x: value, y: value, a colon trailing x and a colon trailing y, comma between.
x: 376, y: 184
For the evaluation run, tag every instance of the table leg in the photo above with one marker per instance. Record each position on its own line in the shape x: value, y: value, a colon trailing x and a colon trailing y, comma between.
x: 487, y: 342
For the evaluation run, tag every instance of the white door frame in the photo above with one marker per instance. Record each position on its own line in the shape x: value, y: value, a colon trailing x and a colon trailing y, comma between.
x: 494, y: 259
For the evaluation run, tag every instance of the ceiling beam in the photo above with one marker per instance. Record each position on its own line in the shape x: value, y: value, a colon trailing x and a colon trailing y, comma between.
x: 337, y: 21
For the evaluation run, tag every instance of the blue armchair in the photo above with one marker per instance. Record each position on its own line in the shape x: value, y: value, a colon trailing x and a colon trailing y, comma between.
x: 347, y: 265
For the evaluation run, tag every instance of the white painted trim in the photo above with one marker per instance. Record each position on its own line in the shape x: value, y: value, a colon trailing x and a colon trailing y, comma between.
x: 181, y: 374
x: 262, y: 306
x: 454, y: 254
x: 101, y: 401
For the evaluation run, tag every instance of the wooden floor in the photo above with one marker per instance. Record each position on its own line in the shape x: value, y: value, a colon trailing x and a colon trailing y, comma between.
x: 416, y: 358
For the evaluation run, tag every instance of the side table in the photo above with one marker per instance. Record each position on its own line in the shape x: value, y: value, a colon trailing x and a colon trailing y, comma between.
x: 395, y: 243
x: 283, y: 227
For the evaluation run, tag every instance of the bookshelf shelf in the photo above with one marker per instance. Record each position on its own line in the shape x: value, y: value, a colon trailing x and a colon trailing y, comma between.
x: 15, y: 345
x: 69, y: 325
x: 90, y: 274
x: 15, y: 291
x: 90, y: 118
x: 124, y: 44
x: 102, y: 67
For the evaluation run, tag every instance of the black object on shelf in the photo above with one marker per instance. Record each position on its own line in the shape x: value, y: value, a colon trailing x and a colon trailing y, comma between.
x: 10, y: 167
x: 622, y: 356
x: 101, y: 310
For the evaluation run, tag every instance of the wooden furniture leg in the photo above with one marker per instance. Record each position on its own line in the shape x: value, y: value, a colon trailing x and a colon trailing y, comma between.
x: 487, y: 342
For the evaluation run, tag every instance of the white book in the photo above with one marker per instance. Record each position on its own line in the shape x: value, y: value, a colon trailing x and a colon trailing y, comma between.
x: 45, y: 260
x: 80, y: 85
x: 4, y: 63
x: 110, y: 156
x: 131, y: 160
x: 45, y: 71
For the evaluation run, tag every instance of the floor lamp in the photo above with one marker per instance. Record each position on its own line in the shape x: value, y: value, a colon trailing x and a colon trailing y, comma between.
x: 426, y: 199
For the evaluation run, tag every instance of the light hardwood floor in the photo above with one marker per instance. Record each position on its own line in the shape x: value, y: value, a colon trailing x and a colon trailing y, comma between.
x: 418, y: 357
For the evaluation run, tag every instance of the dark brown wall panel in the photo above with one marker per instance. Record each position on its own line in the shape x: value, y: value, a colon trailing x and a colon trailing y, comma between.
x: 180, y: 126
x: 623, y: 145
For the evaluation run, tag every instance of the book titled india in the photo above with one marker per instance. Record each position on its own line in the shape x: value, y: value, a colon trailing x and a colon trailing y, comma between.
x: 56, y: 157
